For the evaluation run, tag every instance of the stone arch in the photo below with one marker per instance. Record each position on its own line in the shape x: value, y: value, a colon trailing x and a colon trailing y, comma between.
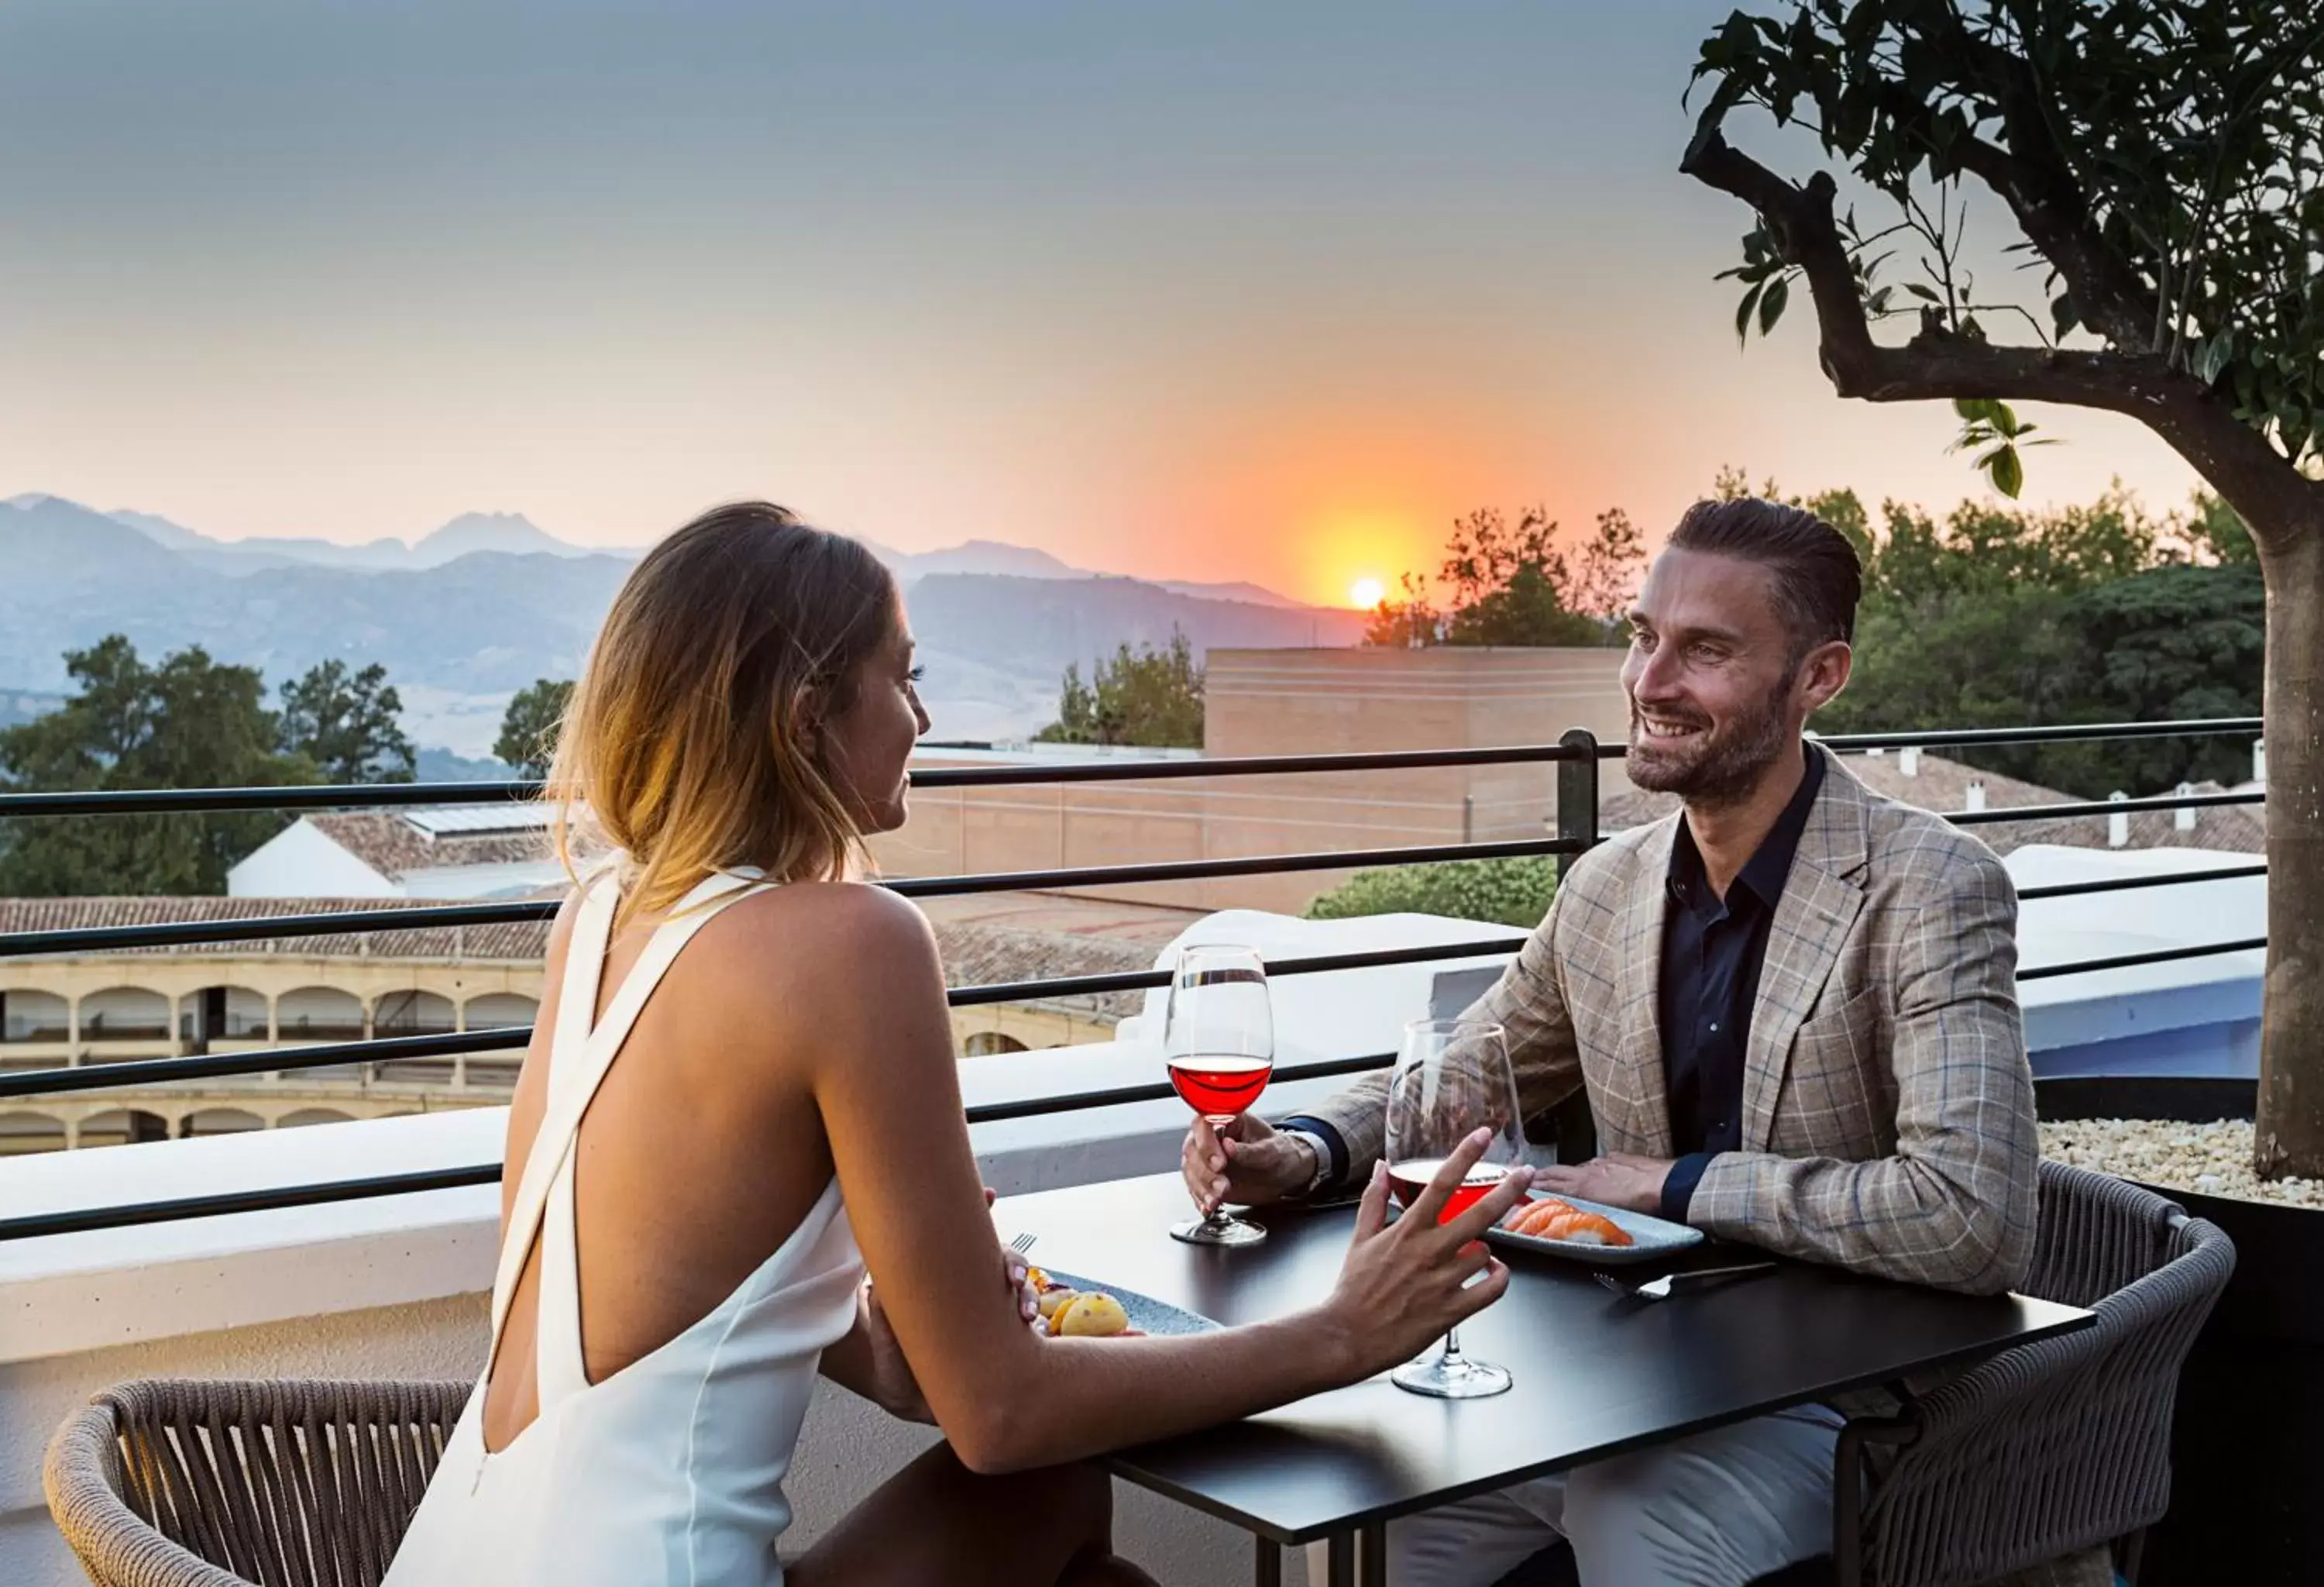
x: 413, y: 1013
x: 223, y: 1013
x: 305, y: 1116
x: 122, y: 1126
x: 22, y: 1133
x: 125, y: 1013
x: 982, y: 1044
x: 317, y: 1014
x: 205, y: 1122
x: 29, y: 1014
x: 498, y: 1008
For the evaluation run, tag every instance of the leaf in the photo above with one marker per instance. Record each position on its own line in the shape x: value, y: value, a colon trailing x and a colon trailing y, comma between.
x: 1927, y: 294
x: 2008, y: 472
x: 1743, y: 314
x: 1978, y: 410
x: 2062, y: 315
x: 1771, y: 307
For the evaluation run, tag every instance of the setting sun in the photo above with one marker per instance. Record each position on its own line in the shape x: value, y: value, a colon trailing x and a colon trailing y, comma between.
x: 1367, y: 593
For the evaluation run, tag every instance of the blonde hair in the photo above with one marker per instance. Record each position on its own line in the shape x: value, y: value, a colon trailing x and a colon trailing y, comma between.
x: 683, y: 739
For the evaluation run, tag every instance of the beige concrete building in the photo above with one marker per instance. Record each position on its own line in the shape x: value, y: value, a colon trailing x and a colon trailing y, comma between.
x: 1288, y: 702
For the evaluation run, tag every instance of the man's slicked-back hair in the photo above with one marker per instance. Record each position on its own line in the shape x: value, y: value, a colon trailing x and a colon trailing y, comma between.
x: 1818, y: 576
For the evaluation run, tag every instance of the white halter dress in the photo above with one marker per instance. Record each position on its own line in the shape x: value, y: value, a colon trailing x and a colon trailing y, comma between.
x: 670, y: 1472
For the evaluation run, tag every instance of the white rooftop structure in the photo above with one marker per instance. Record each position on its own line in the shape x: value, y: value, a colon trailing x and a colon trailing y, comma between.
x: 2197, y: 1016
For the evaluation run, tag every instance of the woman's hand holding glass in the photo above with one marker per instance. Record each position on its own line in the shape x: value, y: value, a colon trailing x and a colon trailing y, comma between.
x: 1407, y: 1283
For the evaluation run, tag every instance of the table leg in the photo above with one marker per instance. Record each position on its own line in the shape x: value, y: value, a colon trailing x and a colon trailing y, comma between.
x: 1372, y: 1542
x: 1339, y: 1560
x: 1268, y: 1572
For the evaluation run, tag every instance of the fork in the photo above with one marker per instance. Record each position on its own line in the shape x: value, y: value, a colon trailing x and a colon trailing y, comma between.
x: 1660, y: 1288
x: 1023, y: 1243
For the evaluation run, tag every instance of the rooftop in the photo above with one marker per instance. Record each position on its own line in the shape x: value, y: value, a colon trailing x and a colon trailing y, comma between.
x: 397, y: 843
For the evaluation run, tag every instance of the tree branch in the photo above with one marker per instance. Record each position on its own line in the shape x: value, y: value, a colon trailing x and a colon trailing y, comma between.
x: 2036, y: 179
x: 1941, y: 363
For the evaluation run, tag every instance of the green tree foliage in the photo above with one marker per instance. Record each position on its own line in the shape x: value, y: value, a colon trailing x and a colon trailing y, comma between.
x: 1513, y: 585
x: 1507, y: 892
x: 347, y: 723
x: 1997, y: 618
x: 187, y: 723
x: 1152, y: 698
x: 528, y: 727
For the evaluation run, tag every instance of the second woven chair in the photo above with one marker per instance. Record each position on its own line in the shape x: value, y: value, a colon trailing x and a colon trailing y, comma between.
x: 167, y: 1482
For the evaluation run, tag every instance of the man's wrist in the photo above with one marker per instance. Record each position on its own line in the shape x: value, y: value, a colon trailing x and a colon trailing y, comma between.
x: 1314, y: 1164
x: 1331, y: 1152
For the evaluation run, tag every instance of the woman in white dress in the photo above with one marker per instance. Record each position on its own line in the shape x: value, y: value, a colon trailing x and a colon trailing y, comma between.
x: 709, y: 1147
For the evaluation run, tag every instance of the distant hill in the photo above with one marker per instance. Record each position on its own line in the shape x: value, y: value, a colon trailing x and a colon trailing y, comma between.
x: 509, y: 532
x: 512, y: 533
x: 1040, y: 625
x: 491, y: 602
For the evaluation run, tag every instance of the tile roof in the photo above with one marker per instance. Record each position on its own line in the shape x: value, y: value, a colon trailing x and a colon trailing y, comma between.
x: 983, y: 955
x: 394, y: 846
x: 1942, y: 785
x: 523, y: 940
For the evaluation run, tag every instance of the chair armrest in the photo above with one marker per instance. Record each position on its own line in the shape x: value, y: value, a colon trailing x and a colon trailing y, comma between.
x: 85, y: 1483
x: 2053, y: 1446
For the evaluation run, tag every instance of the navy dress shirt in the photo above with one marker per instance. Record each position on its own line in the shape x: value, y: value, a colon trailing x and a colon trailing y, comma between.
x: 1712, y: 951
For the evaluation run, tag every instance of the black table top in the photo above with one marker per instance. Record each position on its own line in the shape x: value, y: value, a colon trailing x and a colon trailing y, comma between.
x: 1595, y: 1374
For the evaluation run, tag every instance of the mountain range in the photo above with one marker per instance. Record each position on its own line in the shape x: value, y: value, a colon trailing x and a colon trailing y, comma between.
x: 490, y: 602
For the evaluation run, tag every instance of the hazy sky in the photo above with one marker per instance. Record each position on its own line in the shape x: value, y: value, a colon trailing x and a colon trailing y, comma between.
x: 1185, y: 289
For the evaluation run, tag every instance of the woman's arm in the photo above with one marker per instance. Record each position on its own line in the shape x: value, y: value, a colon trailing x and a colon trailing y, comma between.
x: 870, y: 1364
x: 866, y: 1002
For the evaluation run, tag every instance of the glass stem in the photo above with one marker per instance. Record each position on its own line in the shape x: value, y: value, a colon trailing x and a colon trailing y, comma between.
x: 1451, y: 1356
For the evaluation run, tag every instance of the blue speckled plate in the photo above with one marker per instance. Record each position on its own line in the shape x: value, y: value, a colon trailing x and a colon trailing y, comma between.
x: 1652, y: 1238
x: 1146, y: 1313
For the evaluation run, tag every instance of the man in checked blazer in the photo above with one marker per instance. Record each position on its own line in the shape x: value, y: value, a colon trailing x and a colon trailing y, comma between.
x: 1793, y: 1007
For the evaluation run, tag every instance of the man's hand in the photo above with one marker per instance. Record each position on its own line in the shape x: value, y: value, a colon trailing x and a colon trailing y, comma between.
x: 1249, y: 1162
x: 1618, y: 1179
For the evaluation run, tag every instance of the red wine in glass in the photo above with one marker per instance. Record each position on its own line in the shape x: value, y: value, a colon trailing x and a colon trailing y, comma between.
x: 1452, y: 1079
x: 1218, y: 1042
x: 1220, y: 1086
x: 1408, y: 1179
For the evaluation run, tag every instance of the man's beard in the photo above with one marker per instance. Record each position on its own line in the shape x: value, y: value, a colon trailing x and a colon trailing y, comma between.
x: 1722, y: 766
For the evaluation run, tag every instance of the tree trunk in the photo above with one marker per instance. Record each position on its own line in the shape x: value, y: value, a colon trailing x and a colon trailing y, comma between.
x: 2290, y: 1134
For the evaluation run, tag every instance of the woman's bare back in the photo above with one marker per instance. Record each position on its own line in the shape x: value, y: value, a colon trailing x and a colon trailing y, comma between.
x: 699, y: 1155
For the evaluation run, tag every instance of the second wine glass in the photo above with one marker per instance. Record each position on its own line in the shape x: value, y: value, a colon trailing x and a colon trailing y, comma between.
x: 1452, y: 1078
x: 1218, y: 1037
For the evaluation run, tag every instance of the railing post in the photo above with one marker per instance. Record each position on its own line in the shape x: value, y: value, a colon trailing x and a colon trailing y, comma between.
x: 1577, y: 793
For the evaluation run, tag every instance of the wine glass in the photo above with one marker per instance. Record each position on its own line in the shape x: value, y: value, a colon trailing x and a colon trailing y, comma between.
x: 1218, y: 1037
x: 1452, y: 1078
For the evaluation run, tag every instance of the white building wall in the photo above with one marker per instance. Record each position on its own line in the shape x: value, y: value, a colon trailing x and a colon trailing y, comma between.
x: 299, y: 862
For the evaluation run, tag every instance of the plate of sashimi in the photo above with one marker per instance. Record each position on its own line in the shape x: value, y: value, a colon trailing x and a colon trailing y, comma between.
x: 1567, y: 1226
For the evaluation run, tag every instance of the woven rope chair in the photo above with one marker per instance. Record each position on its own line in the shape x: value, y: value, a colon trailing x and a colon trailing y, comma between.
x: 167, y: 1483
x: 2055, y: 1448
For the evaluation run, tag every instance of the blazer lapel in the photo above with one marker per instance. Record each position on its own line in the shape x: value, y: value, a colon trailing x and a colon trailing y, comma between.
x: 1635, y: 1080
x: 1821, y: 899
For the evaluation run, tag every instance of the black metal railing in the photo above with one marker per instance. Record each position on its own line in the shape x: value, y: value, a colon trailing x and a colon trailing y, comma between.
x: 1576, y: 756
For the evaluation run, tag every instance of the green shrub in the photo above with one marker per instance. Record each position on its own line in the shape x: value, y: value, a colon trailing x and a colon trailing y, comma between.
x: 1508, y: 892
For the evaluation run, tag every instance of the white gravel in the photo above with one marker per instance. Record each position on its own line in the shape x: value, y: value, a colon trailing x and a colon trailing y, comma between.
x: 2212, y: 1159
